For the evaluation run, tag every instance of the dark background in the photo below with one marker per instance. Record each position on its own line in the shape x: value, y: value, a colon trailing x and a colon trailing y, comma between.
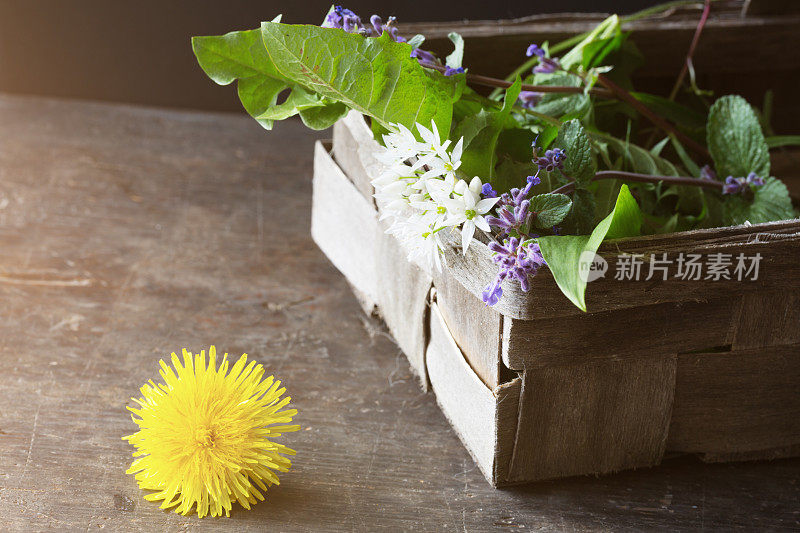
x: 138, y: 51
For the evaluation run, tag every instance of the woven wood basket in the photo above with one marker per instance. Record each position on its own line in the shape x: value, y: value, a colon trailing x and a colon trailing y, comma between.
x: 537, y: 389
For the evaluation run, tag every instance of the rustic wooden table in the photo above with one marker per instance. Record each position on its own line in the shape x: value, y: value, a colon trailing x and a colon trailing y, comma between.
x: 127, y: 233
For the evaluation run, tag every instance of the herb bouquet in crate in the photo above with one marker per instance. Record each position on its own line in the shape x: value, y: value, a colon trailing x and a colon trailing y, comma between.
x: 462, y: 191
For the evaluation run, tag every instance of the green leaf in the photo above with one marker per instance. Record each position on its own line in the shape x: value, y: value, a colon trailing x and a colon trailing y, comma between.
x: 675, y: 112
x: 561, y: 104
x: 481, y: 132
x: 416, y: 41
x: 580, y: 163
x: 241, y: 56
x: 375, y: 76
x: 735, y: 139
x: 455, y: 59
x: 580, y: 220
x: 596, y: 51
x: 639, y: 159
x: 776, y: 141
x: 770, y: 202
x: 563, y: 253
x: 550, y: 209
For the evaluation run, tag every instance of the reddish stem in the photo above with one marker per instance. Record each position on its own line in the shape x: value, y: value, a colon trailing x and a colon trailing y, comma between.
x: 646, y: 178
x: 692, y: 47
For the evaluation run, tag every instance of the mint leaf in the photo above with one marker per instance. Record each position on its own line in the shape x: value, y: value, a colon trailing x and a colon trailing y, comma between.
x: 580, y: 220
x: 455, y: 59
x: 549, y: 209
x: 580, y: 163
x: 563, y: 253
x: 559, y: 105
x: 770, y: 202
x: 481, y: 132
x: 735, y: 139
x: 375, y: 76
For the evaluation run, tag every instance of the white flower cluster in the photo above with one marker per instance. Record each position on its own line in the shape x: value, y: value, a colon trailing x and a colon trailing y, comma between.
x: 421, y: 196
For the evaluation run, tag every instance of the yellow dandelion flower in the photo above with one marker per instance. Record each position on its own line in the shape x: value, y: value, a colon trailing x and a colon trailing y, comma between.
x: 204, y: 434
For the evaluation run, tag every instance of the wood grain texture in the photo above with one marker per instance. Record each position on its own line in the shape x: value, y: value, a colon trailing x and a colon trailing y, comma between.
x: 738, y: 402
x: 131, y: 232
x: 626, y: 334
x: 403, y: 290
x: 768, y: 319
x: 593, y: 417
x: 476, y: 328
x: 337, y: 205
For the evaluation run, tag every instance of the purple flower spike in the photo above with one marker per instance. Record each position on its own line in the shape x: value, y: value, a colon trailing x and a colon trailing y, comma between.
x: 487, y: 191
x: 515, y: 260
x: 536, y: 180
x: 448, y: 71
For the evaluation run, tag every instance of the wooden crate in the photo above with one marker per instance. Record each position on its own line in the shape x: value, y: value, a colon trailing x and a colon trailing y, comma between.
x: 535, y: 388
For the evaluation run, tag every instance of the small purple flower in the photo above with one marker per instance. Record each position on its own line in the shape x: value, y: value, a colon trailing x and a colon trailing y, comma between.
x: 547, y: 65
x: 754, y: 180
x: 551, y: 160
x: 487, y: 191
x: 706, y: 173
x: 377, y: 23
x: 733, y: 185
x: 516, y: 260
x: 529, y: 99
x: 536, y: 180
x: 423, y: 56
x: 510, y: 217
x: 449, y: 71
x: 741, y: 185
x: 535, y: 50
x: 493, y: 293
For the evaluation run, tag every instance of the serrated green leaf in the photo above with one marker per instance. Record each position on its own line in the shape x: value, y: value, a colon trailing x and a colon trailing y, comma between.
x: 563, y: 253
x: 561, y: 104
x: 770, y: 202
x: 549, y: 209
x: 735, y: 139
x: 375, y: 76
x: 580, y: 220
x: 580, y: 163
x: 455, y: 59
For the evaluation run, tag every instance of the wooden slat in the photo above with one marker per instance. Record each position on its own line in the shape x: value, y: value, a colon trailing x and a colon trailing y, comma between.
x: 476, y: 328
x: 593, y: 417
x: 737, y: 402
x: 627, y: 334
x: 403, y: 290
x: 343, y: 224
x: 768, y: 319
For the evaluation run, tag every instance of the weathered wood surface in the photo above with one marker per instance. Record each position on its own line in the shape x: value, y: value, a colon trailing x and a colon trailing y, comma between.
x: 127, y: 233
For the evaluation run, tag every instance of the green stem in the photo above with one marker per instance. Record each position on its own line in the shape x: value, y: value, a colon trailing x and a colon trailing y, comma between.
x: 572, y: 41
